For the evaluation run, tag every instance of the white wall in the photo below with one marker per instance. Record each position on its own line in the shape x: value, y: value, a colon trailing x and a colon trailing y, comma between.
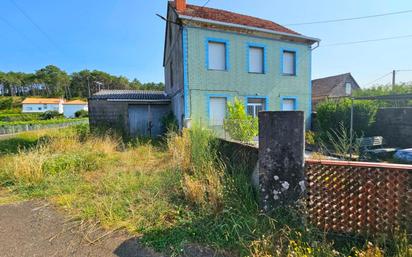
x: 28, y: 108
x: 70, y: 109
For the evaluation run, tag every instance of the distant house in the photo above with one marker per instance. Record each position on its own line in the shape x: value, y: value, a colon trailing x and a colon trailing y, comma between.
x: 333, y: 87
x: 71, y: 107
x: 212, y: 56
x: 32, y: 105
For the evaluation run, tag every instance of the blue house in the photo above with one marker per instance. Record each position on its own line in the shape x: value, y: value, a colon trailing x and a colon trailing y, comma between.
x: 212, y: 56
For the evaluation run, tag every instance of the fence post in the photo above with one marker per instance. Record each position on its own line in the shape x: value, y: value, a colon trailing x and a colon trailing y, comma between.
x: 281, y: 158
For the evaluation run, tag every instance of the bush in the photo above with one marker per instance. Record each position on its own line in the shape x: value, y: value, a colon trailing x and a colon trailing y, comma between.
x: 81, y: 114
x: 6, y: 103
x: 169, y: 123
x: 331, y: 114
x: 50, y: 115
x: 238, y: 124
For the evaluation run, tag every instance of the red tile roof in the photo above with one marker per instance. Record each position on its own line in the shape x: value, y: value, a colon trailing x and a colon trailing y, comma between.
x: 230, y: 17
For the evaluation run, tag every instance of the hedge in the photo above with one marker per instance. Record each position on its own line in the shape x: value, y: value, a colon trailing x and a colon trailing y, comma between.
x: 40, y: 122
x: 331, y: 113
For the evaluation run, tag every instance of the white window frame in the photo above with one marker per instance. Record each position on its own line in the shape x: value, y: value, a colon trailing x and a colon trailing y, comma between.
x: 255, y: 106
x: 348, y: 87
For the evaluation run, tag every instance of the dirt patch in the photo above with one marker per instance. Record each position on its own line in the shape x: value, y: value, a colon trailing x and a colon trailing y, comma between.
x: 35, y: 228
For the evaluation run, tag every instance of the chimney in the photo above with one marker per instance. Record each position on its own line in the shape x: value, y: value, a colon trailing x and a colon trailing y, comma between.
x: 180, y: 5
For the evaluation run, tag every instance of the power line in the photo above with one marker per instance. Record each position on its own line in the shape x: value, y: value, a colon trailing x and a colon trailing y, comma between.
x: 22, y: 34
x: 387, y: 74
x: 349, y: 19
x: 25, y: 14
x: 366, y: 41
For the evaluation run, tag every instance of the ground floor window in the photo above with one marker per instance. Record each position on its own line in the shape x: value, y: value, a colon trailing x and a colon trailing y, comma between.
x: 288, y: 104
x: 255, y: 105
x: 217, y: 110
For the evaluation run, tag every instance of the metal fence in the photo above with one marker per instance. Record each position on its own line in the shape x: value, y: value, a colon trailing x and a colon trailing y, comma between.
x: 361, y: 198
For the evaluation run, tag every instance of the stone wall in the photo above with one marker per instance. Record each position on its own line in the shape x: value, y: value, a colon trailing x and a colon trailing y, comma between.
x: 395, y: 125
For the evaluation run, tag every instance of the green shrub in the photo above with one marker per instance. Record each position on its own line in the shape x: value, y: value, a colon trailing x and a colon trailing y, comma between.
x: 331, y: 114
x: 50, y: 115
x: 169, y: 123
x: 18, y: 117
x: 6, y: 103
x: 238, y: 124
x: 81, y: 114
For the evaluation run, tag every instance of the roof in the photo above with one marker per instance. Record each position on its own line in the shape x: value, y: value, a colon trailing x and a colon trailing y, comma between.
x: 324, y: 86
x: 32, y: 100
x: 231, y: 17
x: 135, y: 95
x: 76, y: 102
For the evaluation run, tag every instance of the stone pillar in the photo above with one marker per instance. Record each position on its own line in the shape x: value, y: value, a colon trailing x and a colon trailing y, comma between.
x: 281, y: 158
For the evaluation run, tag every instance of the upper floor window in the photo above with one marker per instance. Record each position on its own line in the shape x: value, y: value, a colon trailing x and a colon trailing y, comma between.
x: 217, y: 55
x: 256, y: 59
x: 255, y: 105
x: 348, y: 88
x: 289, y: 63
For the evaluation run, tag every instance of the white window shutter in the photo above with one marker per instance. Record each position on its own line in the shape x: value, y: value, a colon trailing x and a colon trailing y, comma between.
x: 256, y: 59
x: 288, y: 105
x: 289, y: 63
x: 217, y: 110
x: 217, y: 56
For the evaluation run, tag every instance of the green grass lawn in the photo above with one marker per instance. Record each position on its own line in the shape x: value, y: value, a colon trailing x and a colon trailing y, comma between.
x: 169, y: 193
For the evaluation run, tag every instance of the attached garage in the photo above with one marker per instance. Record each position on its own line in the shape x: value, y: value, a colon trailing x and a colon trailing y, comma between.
x: 131, y: 112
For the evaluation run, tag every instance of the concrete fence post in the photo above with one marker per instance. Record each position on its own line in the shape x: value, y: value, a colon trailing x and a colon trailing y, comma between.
x: 281, y: 158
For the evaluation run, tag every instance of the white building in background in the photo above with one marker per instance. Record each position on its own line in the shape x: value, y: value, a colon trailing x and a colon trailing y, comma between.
x: 33, y: 105
x: 71, y: 107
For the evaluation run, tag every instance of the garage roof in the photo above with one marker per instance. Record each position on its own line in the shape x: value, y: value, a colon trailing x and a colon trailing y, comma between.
x: 135, y: 95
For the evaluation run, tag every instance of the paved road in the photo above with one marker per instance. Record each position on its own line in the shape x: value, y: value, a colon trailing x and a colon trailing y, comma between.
x: 34, y: 228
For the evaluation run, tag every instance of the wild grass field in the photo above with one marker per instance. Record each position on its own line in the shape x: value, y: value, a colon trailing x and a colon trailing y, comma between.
x: 170, y: 193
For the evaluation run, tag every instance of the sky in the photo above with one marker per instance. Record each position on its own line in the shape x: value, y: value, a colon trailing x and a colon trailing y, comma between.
x: 125, y: 37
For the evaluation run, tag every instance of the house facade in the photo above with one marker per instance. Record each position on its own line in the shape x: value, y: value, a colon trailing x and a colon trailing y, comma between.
x: 212, y: 56
x: 33, y: 105
x: 333, y: 87
x: 71, y: 107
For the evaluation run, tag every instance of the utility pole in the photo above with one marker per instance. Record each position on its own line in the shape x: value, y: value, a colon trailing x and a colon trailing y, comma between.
x: 393, y: 79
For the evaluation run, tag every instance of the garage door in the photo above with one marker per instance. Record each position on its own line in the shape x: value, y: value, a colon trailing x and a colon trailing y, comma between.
x: 145, y: 120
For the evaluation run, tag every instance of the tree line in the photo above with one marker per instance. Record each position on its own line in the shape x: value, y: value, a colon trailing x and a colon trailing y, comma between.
x: 51, y: 81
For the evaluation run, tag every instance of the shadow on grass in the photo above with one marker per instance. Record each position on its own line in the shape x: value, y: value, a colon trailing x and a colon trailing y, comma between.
x: 13, y: 145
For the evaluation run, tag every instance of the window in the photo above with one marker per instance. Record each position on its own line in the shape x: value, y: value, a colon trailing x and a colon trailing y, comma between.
x: 45, y: 106
x: 289, y: 63
x: 217, y: 110
x: 256, y: 59
x: 39, y: 108
x: 216, y: 56
x: 288, y: 104
x: 348, y: 88
x: 255, y: 105
x: 29, y: 108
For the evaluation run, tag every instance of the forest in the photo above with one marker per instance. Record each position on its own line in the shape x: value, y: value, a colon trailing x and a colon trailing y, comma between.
x: 51, y: 81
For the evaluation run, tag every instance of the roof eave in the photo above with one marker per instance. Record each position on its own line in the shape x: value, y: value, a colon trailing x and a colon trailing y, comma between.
x: 311, y: 40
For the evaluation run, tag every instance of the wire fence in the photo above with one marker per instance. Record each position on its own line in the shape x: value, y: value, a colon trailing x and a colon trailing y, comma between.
x: 13, y: 129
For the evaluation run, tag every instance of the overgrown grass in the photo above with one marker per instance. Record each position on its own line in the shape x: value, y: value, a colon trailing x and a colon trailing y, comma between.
x: 170, y: 195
